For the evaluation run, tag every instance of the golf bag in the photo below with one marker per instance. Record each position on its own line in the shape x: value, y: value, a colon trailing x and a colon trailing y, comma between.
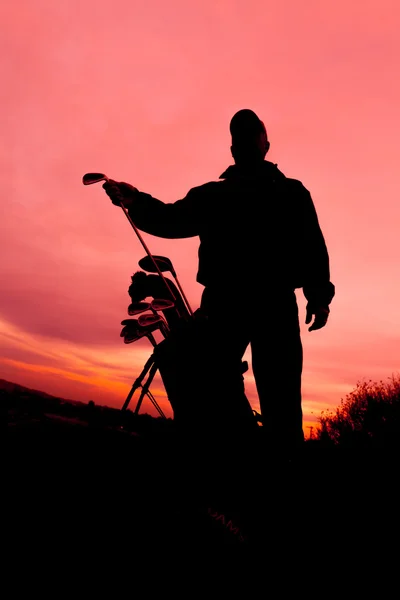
x: 205, y: 393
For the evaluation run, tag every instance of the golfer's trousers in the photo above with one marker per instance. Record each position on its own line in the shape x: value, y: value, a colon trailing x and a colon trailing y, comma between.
x: 271, y: 327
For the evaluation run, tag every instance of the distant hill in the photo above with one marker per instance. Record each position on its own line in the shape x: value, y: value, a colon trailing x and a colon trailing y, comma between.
x: 10, y: 386
x: 35, y: 409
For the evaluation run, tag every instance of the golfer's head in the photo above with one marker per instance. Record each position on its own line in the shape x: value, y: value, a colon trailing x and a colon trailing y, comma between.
x: 249, y: 137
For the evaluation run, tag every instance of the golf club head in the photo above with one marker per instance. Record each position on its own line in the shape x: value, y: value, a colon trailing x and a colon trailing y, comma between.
x: 133, y: 330
x: 131, y: 335
x: 131, y: 325
x: 161, y: 304
x: 129, y: 338
x: 135, y: 308
x: 163, y: 262
x: 151, y: 320
x: 90, y: 178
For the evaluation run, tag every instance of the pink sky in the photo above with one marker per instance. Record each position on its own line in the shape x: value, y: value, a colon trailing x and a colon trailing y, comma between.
x: 145, y: 92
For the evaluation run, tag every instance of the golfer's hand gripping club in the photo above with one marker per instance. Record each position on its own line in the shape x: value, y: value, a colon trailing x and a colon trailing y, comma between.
x: 119, y: 192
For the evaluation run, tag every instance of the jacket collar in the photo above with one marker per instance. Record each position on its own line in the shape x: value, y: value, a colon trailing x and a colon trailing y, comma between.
x: 263, y: 170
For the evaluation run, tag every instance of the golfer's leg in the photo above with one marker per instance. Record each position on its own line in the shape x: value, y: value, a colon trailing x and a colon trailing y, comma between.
x: 277, y: 360
x: 233, y: 343
x: 231, y: 338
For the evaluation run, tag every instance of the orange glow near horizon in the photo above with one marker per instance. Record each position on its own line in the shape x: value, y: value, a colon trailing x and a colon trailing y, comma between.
x: 146, y: 96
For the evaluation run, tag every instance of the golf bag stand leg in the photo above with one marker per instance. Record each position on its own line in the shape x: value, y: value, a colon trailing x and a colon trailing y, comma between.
x: 138, y: 382
x: 145, y: 389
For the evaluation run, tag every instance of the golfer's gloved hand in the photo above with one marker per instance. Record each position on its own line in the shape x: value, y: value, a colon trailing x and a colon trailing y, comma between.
x: 320, y: 314
x: 120, y: 192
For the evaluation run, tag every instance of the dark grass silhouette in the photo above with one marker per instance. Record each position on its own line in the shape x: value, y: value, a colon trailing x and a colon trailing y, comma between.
x: 368, y: 417
x: 101, y: 484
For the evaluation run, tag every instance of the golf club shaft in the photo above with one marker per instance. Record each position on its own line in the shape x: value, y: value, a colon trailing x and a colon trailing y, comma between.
x: 164, y: 321
x: 147, y: 250
x: 183, y: 296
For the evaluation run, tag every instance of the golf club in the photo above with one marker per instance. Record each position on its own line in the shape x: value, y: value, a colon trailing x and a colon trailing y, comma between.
x: 163, y: 263
x: 132, y: 330
x: 144, y: 285
x: 136, y: 308
x: 150, y: 319
x: 89, y: 179
x: 161, y: 304
x: 129, y: 337
x: 132, y: 325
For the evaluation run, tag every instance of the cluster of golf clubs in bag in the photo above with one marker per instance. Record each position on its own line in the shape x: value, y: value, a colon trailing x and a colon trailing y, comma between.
x: 161, y: 313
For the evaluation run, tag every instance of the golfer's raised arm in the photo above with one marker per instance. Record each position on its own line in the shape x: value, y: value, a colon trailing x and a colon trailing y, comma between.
x: 179, y: 219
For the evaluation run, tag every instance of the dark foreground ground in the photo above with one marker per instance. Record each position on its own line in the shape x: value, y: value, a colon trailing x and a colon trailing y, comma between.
x: 82, y: 493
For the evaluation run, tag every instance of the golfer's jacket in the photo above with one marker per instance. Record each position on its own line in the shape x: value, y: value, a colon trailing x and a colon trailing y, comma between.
x: 258, y: 230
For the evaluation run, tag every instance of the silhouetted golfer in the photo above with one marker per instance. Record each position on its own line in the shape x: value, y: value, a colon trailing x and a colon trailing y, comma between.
x: 260, y: 239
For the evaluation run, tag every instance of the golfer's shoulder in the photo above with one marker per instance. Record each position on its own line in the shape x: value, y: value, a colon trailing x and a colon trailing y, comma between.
x: 297, y: 194
x: 295, y: 186
x: 205, y: 190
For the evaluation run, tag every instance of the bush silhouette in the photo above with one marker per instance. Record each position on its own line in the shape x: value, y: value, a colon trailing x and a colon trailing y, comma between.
x: 369, y: 415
